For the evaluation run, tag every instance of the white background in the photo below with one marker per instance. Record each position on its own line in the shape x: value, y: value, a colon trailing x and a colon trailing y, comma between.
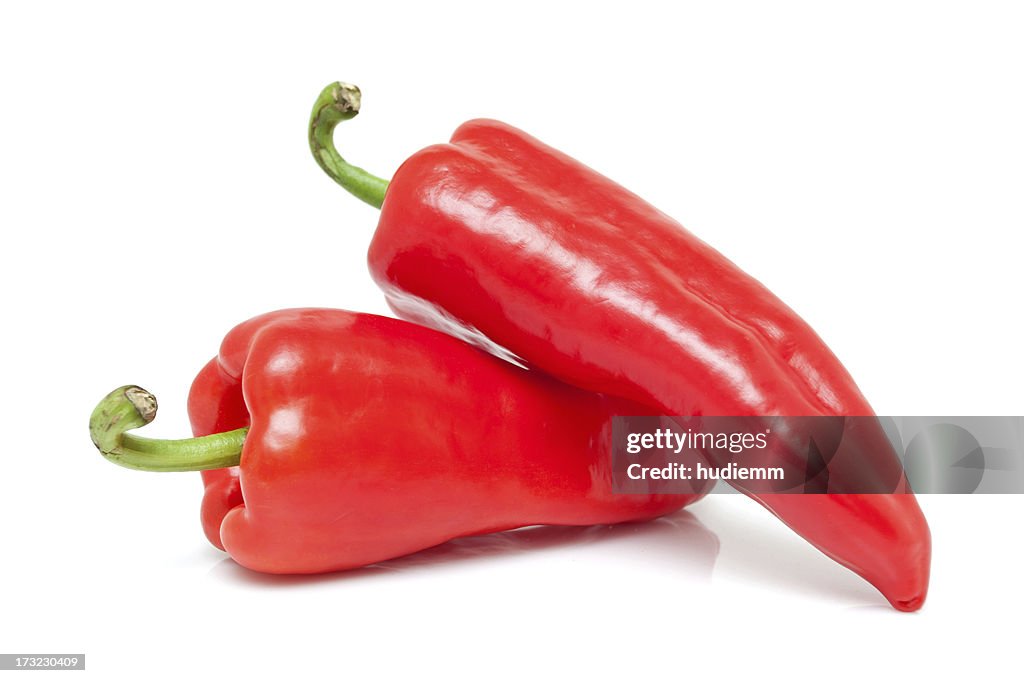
x: 865, y: 163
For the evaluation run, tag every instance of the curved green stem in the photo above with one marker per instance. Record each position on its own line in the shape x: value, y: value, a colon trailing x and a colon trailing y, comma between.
x: 129, y: 407
x: 340, y: 102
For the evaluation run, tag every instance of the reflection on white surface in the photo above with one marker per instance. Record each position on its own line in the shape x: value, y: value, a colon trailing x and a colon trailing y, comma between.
x: 678, y: 544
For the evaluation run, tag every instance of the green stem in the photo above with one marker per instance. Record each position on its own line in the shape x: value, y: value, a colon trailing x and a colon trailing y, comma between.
x: 129, y: 407
x: 340, y: 102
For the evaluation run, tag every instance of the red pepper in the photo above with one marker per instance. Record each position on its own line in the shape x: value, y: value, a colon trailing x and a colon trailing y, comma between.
x: 359, y: 438
x: 509, y: 243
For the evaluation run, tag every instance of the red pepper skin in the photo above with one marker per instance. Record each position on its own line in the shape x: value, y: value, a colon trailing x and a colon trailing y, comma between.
x: 371, y: 438
x: 511, y: 244
x: 215, y: 405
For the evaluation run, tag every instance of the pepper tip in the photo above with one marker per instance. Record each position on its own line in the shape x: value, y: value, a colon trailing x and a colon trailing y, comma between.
x: 911, y: 605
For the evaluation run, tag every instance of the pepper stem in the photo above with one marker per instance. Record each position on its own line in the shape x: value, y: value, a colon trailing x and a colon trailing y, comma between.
x: 340, y: 102
x: 129, y: 407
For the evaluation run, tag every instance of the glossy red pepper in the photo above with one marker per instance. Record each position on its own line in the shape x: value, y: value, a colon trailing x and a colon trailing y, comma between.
x: 359, y: 438
x: 511, y: 244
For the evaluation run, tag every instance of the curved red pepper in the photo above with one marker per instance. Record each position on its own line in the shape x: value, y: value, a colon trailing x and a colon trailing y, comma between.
x: 511, y: 244
x: 370, y: 438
